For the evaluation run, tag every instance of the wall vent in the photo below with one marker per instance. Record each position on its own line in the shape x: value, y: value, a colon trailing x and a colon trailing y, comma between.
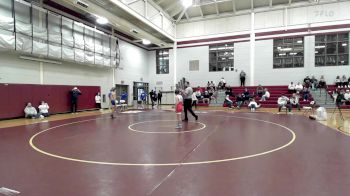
x: 194, y: 65
x: 82, y: 4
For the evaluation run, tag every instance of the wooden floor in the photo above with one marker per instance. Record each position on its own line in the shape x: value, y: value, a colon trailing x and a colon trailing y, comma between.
x: 230, y: 152
x: 334, y: 121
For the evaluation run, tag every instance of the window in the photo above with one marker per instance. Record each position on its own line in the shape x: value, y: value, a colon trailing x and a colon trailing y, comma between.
x: 288, y: 52
x: 162, y: 61
x: 332, y: 50
x: 221, y: 57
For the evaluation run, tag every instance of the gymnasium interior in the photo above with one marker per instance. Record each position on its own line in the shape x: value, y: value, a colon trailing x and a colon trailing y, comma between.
x: 101, y: 76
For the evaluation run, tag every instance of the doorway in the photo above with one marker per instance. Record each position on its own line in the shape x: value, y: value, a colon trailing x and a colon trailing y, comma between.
x: 120, y: 88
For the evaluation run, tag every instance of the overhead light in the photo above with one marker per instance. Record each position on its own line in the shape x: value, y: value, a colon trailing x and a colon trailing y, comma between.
x: 187, y: 3
x: 101, y: 20
x: 344, y: 44
x: 146, y: 42
x: 299, y: 41
x: 321, y: 46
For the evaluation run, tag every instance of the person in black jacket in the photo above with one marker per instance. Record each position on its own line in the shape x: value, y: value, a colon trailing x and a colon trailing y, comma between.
x: 74, y: 94
x: 160, y: 95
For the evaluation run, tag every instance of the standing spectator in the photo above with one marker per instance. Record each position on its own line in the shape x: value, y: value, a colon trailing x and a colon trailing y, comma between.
x: 228, y: 102
x: 242, y: 77
x: 75, y: 92
x: 44, y: 109
x: 307, y: 82
x: 337, y: 82
x: 291, y: 88
x: 187, y: 93
x: 260, y: 90
x: 344, y: 81
x: 306, y: 94
x: 194, y: 100
x: 283, y: 102
x: 294, y: 100
x: 322, y: 82
x: 30, y: 111
x: 143, y: 98
x: 160, y: 95
x: 98, y: 100
x: 266, y: 95
x: 151, y: 96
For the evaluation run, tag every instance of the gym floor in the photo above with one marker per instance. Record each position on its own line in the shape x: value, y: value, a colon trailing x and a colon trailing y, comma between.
x: 228, y: 152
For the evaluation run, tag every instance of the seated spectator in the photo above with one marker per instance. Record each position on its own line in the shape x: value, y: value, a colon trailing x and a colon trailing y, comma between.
x: 228, y: 102
x: 206, y: 97
x: 260, y: 90
x: 199, y: 93
x: 30, y: 111
x: 228, y: 91
x: 208, y: 85
x: 211, y: 91
x: 239, y: 101
x: 222, y: 83
x: 307, y: 82
x: 298, y: 87
x: 337, y: 82
x: 44, y: 109
x: 212, y: 85
x: 340, y: 97
x: 322, y: 82
x: 306, y: 94
x: 253, y: 105
x: 246, y: 95
x: 321, y: 114
x: 347, y: 97
x: 283, y: 102
x: 214, y: 96
x: 291, y: 88
x: 313, y: 82
x: 266, y: 95
x: 344, y: 81
x: 294, y: 100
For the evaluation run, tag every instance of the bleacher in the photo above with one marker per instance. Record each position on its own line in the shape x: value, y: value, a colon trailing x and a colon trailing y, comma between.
x: 275, y: 93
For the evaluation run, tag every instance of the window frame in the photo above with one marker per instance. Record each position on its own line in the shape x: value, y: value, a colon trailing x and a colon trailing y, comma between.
x: 293, y: 54
x: 225, y: 51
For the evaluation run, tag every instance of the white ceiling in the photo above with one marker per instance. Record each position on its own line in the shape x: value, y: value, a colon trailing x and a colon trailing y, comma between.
x: 215, y: 8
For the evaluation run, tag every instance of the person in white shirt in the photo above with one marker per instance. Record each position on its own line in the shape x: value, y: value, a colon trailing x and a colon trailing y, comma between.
x: 283, y: 101
x: 291, y: 88
x: 299, y: 87
x: 30, y: 111
x: 321, y: 114
x: 187, y: 95
x: 98, y: 100
x: 228, y: 102
x: 253, y: 105
x: 337, y: 82
x: 294, y: 100
x: 44, y: 109
x: 266, y: 95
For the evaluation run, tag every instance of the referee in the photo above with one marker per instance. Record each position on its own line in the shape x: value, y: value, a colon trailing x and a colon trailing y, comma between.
x: 187, y: 95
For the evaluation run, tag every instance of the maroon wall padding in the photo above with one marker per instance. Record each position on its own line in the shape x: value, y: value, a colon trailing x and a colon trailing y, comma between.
x: 14, y: 98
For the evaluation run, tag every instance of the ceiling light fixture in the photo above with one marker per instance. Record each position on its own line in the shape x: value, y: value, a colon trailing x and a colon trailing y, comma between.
x: 187, y: 3
x: 146, y: 42
x: 101, y: 20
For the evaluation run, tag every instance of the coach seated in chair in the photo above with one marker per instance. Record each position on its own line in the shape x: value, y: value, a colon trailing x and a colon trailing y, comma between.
x: 30, y: 111
x: 283, y: 101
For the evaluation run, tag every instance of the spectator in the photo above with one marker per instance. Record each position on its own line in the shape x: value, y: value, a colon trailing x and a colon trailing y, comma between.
x: 283, y: 102
x: 253, y: 105
x: 123, y: 97
x: 75, y: 92
x: 228, y: 102
x: 30, y: 111
x: 347, y: 97
x: 208, y: 85
x: 228, y: 91
x: 266, y: 95
x: 194, y: 100
x: 294, y: 100
x: 222, y: 83
x: 291, y: 88
x: 143, y: 98
x: 322, y: 82
x: 313, y: 82
x: 260, y: 90
x: 160, y: 95
x: 321, y: 114
x: 44, y: 109
x: 344, y: 81
x: 337, y: 82
x: 246, y: 95
x: 242, y: 78
x: 206, y: 97
x: 239, y: 101
x: 306, y: 94
x: 151, y: 96
x: 199, y: 93
x: 298, y: 87
x: 307, y: 82
x: 340, y: 98
x: 98, y: 100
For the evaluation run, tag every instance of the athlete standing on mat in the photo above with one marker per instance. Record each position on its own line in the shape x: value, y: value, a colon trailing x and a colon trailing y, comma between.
x: 178, y: 108
x: 113, y: 96
x: 187, y: 95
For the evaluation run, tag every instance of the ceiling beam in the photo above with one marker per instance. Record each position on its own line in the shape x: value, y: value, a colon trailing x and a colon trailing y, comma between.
x: 252, y: 4
x: 201, y: 11
x: 290, y: 2
x: 270, y: 3
x: 234, y: 6
x: 217, y: 8
x: 171, y: 6
x: 180, y: 16
x: 175, y: 12
x: 187, y: 17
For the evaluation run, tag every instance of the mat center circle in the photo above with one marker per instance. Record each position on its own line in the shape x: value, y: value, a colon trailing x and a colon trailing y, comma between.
x: 166, y: 126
